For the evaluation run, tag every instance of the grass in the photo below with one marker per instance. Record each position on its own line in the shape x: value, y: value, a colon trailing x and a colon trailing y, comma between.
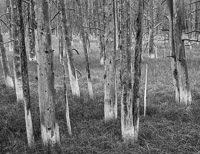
x: 167, y: 128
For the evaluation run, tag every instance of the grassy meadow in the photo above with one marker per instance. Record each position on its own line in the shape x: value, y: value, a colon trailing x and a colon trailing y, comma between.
x: 168, y: 128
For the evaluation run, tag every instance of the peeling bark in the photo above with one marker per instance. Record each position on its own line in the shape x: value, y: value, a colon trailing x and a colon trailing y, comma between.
x: 49, y: 126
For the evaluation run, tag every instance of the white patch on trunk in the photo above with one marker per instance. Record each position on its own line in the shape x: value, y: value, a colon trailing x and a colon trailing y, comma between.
x: 136, y: 130
x: 67, y: 117
x: 90, y: 89
x: 50, y: 136
x: 152, y: 56
x: 29, y: 127
x: 73, y: 82
x: 9, y: 82
x: 18, y: 89
x: 128, y: 134
x: 32, y: 58
x: 102, y: 61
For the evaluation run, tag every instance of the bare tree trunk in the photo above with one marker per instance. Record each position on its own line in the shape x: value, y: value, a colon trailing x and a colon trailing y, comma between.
x: 83, y: 35
x: 151, y: 31
x: 127, y: 127
x: 5, y: 64
x: 137, y: 68
x: 31, y: 32
x: 70, y: 61
x: 64, y: 64
x: 49, y: 126
x: 145, y: 90
x: 179, y: 63
x: 16, y: 57
x: 25, y: 78
x: 110, y: 103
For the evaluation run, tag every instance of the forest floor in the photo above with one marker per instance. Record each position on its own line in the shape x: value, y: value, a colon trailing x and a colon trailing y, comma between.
x: 168, y: 128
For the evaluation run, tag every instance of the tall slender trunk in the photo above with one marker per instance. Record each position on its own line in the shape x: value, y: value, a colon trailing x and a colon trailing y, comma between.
x: 83, y: 35
x: 127, y: 128
x: 110, y: 103
x: 25, y: 78
x: 49, y: 125
x: 151, y: 31
x: 70, y: 60
x: 5, y: 64
x: 137, y: 68
x: 16, y: 57
x: 64, y: 64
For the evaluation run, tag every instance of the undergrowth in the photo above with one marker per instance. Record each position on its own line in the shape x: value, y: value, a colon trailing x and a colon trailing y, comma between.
x: 167, y: 128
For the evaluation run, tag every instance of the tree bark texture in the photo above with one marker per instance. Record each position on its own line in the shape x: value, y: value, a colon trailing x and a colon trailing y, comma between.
x: 49, y: 126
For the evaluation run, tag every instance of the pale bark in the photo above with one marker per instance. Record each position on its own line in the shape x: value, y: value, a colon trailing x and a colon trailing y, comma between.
x: 5, y: 64
x: 16, y: 56
x: 137, y: 69
x: 145, y: 90
x: 70, y: 60
x: 49, y: 125
x: 25, y: 78
x: 85, y: 42
x: 110, y: 102
x: 127, y: 127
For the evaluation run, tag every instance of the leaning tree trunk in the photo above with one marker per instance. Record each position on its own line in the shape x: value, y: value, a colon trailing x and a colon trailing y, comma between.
x: 31, y: 31
x: 49, y: 125
x: 137, y: 68
x: 16, y: 57
x: 25, y: 79
x: 5, y: 64
x: 110, y: 97
x: 151, y: 31
x: 127, y: 128
x: 83, y: 35
x: 67, y: 43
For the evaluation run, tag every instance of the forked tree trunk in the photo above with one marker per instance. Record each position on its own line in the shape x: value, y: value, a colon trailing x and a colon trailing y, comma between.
x: 137, y: 68
x: 127, y: 128
x: 110, y: 98
x: 151, y: 31
x: 25, y: 78
x: 70, y: 61
x: 49, y: 125
x: 83, y: 35
x: 16, y: 57
x: 31, y: 32
x: 5, y: 64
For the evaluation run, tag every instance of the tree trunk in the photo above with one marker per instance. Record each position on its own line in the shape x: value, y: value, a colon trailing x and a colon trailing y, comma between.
x: 64, y: 64
x: 16, y: 57
x: 71, y: 67
x: 126, y: 74
x: 25, y: 78
x: 137, y: 68
x: 49, y: 126
x: 151, y: 31
x: 5, y: 64
x: 31, y: 32
x: 110, y: 98
x: 179, y: 63
x: 83, y: 35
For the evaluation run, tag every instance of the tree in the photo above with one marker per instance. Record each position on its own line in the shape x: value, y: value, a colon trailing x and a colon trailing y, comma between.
x: 84, y: 38
x: 5, y: 64
x: 179, y: 63
x: 16, y: 58
x: 67, y: 43
x: 110, y: 93
x: 25, y: 78
x: 49, y: 126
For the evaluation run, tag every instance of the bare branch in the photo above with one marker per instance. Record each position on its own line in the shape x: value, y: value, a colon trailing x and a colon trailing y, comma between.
x: 76, y: 51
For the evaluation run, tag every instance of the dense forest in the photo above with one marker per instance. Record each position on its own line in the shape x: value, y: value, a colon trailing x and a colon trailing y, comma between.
x: 99, y: 76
